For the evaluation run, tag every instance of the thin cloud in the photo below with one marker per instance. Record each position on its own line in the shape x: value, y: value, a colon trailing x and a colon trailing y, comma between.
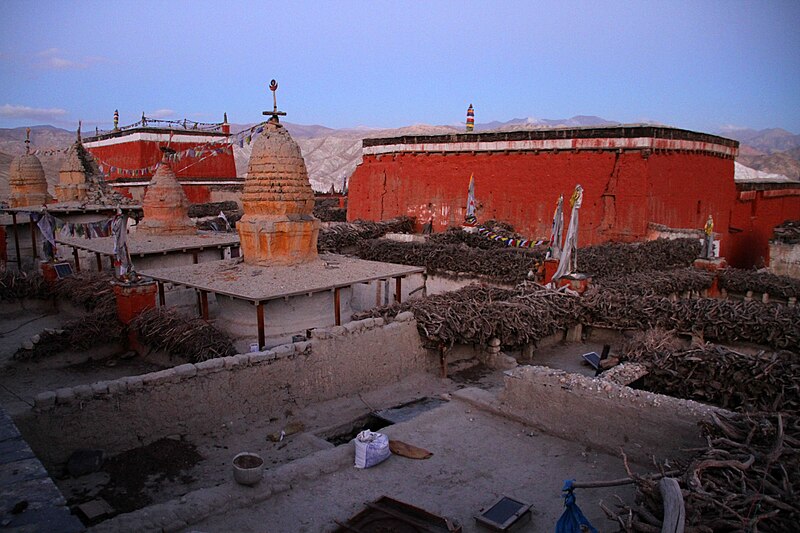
x: 161, y: 113
x: 56, y: 59
x: 31, y: 113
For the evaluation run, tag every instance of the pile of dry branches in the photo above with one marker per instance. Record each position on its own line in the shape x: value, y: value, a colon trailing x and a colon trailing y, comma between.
x: 776, y: 326
x: 746, y: 479
x: 336, y: 238
x: 330, y: 214
x: 661, y: 283
x: 477, y: 313
x: 741, y: 281
x: 507, y: 265
x: 457, y: 236
x: 612, y: 259
x: 717, y: 375
x: 87, y: 289
x: 192, y: 339
x: 788, y: 232
x: 15, y: 285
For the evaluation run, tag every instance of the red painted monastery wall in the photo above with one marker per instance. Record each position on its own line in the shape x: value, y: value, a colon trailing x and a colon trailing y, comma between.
x: 753, y: 218
x: 142, y: 154
x: 622, y: 191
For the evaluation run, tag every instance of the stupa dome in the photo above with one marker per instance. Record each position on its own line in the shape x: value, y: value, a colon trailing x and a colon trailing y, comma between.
x: 165, y: 205
x: 26, y: 181
x: 277, y: 179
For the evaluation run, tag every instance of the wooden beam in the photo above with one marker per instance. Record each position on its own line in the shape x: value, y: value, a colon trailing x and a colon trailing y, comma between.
x: 398, y: 288
x: 337, y: 311
x: 16, y: 239
x: 33, y: 240
x: 162, y: 300
x: 260, y: 319
x: 204, y: 304
x: 77, y: 259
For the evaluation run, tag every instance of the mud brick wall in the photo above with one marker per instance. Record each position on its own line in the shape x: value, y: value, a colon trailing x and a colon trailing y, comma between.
x: 602, y: 414
x: 195, y: 398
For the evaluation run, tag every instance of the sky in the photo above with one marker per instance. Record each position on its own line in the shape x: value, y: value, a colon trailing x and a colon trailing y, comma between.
x: 700, y: 64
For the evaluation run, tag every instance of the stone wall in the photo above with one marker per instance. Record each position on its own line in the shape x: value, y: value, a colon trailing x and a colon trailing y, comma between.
x: 601, y: 414
x: 191, y: 399
x: 784, y: 259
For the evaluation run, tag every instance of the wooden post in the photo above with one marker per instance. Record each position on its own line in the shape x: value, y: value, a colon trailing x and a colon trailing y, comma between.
x: 33, y: 240
x: 111, y: 262
x: 398, y: 288
x: 204, y: 304
x: 76, y: 258
x: 260, y: 318
x: 337, y: 312
x: 16, y: 239
x: 99, y: 261
x: 162, y: 300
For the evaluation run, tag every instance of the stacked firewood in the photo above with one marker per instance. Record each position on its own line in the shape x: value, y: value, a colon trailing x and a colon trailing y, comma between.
x: 477, y: 313
x: 746, y: 478
x: 657, y: 282
x: 741, y: 281
x: 457, y: 236
x: 788, y: 232
x: 721, y: 320
x: 16, y: 285
x: 717, y: 375
x: 337, y: 238
x: 506, y: 265
x: 613, y: 259
x: 191, y: 339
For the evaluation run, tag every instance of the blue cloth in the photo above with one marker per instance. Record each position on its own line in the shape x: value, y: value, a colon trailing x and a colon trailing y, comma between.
x: 572, y: 520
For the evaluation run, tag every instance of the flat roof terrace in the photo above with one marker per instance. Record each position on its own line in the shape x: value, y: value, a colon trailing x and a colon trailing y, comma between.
x: 622, y: 137
x: 150, y: 245
x: 259, y: 284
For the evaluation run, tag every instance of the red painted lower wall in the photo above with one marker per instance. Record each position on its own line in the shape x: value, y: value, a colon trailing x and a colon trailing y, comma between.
x: 623, y: 192
x: 143, y: 154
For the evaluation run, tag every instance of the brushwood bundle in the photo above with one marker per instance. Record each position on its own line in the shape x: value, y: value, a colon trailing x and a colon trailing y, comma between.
x: 192, y: 339
x: 17, y: 285
x: 721, y: 376
x: 506, y: 265
x: 336, y: 238
x: 746, y: 478
x: 657, y: 282
x: 777, y: 326
x: 740, y: 281
x: 477, y: 313
x: 613, y: 259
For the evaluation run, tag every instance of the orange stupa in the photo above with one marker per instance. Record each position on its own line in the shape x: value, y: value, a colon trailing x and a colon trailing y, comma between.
x: 72, y: 184
x: 277, y: 227
x: 165, y: 204
x: 26, y: 180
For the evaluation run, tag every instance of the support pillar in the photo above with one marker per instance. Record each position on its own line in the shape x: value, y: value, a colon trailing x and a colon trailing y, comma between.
x: 77, y: 259
x: 398, y: 288
x: 162, y: 300
x: 16, y: 240
x: 33, y: 241
x: 337, y: 310
x: 99, y: 261
x: 260, y: 320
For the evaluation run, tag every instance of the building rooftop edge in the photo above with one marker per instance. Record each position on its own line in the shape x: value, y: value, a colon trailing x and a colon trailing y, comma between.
x: 584, y: 132
x: 168, y: 131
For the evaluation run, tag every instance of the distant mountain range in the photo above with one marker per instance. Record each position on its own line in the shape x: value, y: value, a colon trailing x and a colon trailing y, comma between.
x: 332, y: 155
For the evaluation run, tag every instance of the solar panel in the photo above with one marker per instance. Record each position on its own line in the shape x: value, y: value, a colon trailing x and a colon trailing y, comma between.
x: 64, y: 270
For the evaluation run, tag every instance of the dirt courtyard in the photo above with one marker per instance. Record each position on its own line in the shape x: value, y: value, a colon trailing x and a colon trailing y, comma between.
x: 310, y: 484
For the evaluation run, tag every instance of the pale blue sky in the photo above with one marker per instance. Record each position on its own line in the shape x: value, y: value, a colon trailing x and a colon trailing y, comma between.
x: 692, y: 64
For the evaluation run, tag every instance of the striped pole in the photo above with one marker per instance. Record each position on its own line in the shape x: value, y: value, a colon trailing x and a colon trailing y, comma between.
x: 470, y: 119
